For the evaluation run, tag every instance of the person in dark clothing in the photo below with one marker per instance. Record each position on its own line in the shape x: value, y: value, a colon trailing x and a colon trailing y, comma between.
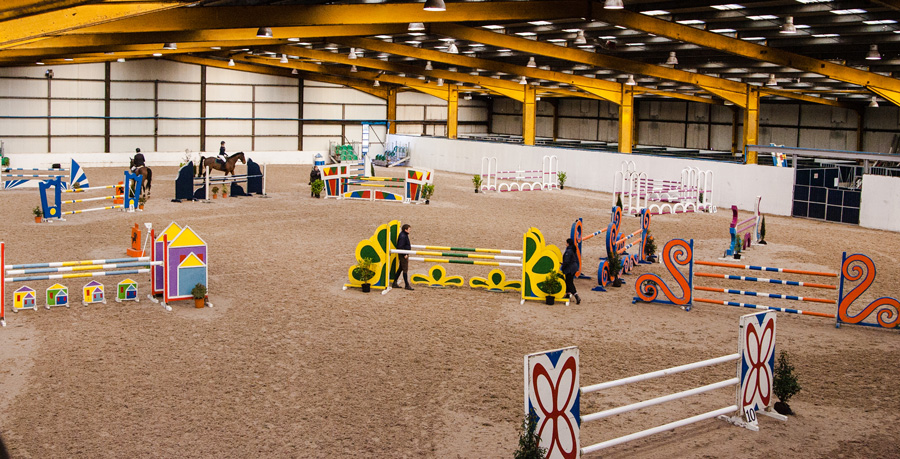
x: 138, y: 159
x: 569, y: 268
x: 314, y: 174
x: 222, y: 155
x: 403, y: 244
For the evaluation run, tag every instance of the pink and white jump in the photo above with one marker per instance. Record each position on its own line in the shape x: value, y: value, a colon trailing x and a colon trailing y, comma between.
x: 692, y: 193
x: 547, y: 178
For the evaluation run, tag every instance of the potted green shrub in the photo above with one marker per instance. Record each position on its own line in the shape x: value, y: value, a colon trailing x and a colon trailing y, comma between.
x: 762, y: 231
x: 551, y: 286
x: 215, y: 192
x: 363, y: 271
x: 317, y: 187
x: 784, y: 384
x: 199, y: 294
x: 427, y: 192
x: 476, y: 180
x: 650, y: 248
x: 141, y: 201
x: 529, y: 440
x: 614, y: 265
x: 38, y: 214
x: 561, y: 177
x: 738, y: 244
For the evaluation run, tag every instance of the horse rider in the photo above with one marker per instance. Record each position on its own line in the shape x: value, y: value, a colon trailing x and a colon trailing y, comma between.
x: 138, y: 160
x: 222, y: 155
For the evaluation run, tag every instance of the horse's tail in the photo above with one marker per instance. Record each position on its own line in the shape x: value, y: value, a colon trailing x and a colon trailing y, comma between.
x: 149, y: 178
x: 200, y: 168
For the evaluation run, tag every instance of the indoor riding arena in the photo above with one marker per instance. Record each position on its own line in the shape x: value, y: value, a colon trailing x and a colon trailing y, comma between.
x: 246, y: 309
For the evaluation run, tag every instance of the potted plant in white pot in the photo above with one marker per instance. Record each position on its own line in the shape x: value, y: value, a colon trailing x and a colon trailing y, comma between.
x: 561, y: 178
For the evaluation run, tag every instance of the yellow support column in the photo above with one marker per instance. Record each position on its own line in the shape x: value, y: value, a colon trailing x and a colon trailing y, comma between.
x: 751, y: 123
x: 529, y: 115
x: 626, y: 119
x: 392, y: 110
x: 452, y: 111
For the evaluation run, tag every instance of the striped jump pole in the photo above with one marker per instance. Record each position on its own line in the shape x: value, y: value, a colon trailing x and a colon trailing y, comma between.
x: 465, y: 249
x: 680, y: 252
x: 765, y: 268
x: 102, y: 198
x: 553, y: 391
x: 8, y: 169
x: 91, y: 188
x: 73, y: 212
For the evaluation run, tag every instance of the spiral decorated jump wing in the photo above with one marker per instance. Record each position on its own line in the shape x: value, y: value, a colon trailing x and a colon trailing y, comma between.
x: 649, y: 286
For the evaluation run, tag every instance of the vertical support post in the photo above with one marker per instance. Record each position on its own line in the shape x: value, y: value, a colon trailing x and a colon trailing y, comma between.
x: 555, y: 104
x: 107, y: 112
x: 860, y: 121
x: 751, y: 123
x: 734, y: 130
x: 452, y: 111
x: 300, y: 99
x: 206, y: 183
x: 626, y: 120
x: 392, y: 110
x: 253, y: 117
x: 155, y: 115
x: 165, y: 268
x: 202, y: 108
x: 529, y: 115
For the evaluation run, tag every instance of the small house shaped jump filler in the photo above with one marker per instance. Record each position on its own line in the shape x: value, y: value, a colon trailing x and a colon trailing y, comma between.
x: 184, y: 255
x: 93, y: 292
x: 57, y: 295
x: 127, y: 291
x: 24, y: 298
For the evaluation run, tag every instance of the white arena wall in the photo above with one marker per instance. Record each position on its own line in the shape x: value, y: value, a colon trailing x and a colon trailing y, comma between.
x: 735, y: 184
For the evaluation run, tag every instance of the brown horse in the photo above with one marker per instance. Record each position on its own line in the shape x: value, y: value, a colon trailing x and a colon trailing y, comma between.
x: 147, y: 175
x: 227, y: 168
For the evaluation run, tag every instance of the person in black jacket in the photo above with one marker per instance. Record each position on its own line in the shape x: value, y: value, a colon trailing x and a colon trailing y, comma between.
x: 569, y: 268
x: 138, y: 160
x: 403, y: 244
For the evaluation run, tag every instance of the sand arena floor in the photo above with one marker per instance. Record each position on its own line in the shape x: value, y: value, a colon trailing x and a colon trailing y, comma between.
x: 287, y: 364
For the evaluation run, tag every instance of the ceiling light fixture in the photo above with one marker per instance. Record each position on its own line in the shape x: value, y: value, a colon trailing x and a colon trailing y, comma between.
x: 467, y: 97
x: 264, y: 32
x: 353, y: 69
x: 788, y: 26
x: 416, y: 26
x: 121, y: 59
x: 428, y: 66
x: 580, y: 39
x: 170, y: 46
x: 376, y: 84
x: 352, y: 54
x: 873, y: 54
x: 523, y: 80
x: 157, y: 54
x: 294, y: 72
x: 453, y: 49
x: 630, y: 81
x: 231, y: 62
x: 873, y: 103
x: 771, y: 81
x: 613, y: 5
x: 531, y: 62
x: 672, y: 60
x: 435, y: 5
x: 440, y: 82
x: 284, y: 59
